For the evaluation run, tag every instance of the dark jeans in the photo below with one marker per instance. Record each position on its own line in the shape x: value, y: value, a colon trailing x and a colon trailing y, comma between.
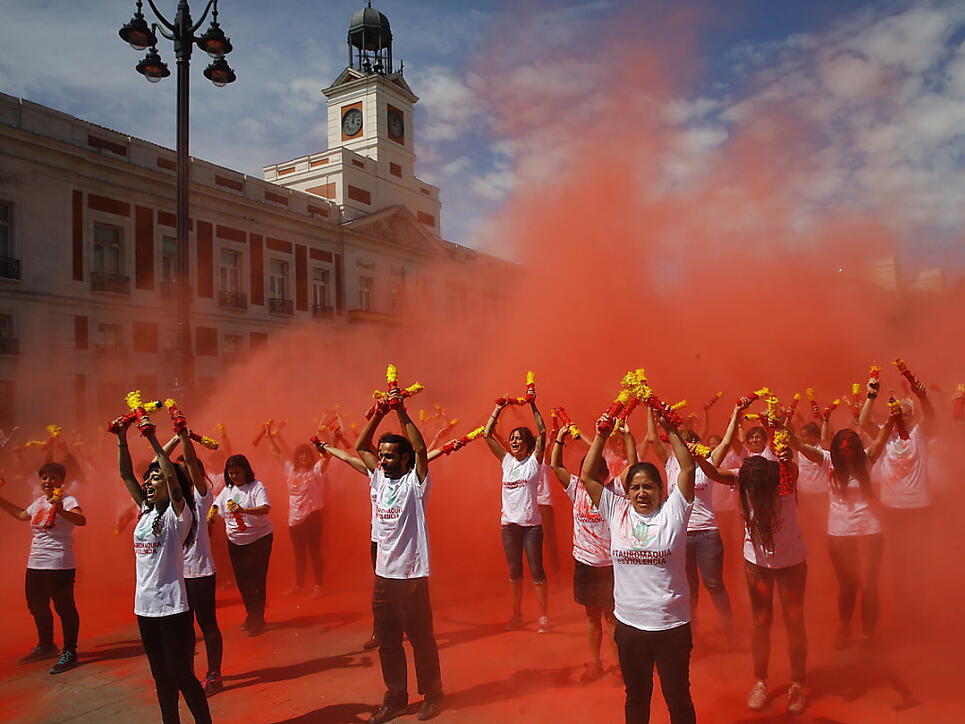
x: 528, y: 538
x: 169, y: 645
x: 705, y: 554
x: 401, y: 606
x: 40, y: 587
x: 250, y: 564
x: 202, y: 603
x: 307, y: 539
x: 670, y: 651
x: 791, y: 582
x: 846, y: 552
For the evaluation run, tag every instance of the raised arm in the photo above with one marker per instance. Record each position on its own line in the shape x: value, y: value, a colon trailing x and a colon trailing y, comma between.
x: 343, y: 455
x: 126, y: 469
x: 720, y: 452
x: 928, y: 410
x: 492, y: 441
x: 592, y: 459
x: 414, y: 435
x: 878, y: 444
x: 15, y: 510
x: 364, y: 446
x: 864, y: 418
x: 653, y: 439
x: 714, y: 473
x: 630, y: 444
x: 809, y: 451
x: 167, y: 470
x: 556, y: 457
x: 198, y: 479
x: 686, y: 476
x: 540, y: 430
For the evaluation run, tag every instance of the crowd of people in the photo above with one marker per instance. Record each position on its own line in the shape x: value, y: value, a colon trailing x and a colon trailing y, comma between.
x: 650, y: 523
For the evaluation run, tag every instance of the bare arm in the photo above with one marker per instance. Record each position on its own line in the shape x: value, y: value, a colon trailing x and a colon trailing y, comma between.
x: 126, y: 469
x: 630, y: 444
x: 592, y: 459
x: 75, y: 516
x: 198, y: 479
x: 556, y: 457
x: 15, y: 510
x: 864, y: 418
x: 343, y: 455
x: 170, y: 477
x: 878, y: 444
x: 720, y: 452
x: 363, y: 446
x: 495, y: 445
x: 540, y: 431
x: 928, y: 410
x: 714, y: 473
x: 686, y: 476
x: 808, y: 451
x: 412, y: 433
x: 654, y: 439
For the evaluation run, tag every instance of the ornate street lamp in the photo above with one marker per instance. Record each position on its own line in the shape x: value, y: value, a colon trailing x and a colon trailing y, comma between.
x: 181, y: 31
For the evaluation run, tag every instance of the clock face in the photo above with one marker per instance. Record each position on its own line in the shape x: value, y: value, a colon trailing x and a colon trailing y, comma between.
x: 396, y: 124
x: 351, y: 121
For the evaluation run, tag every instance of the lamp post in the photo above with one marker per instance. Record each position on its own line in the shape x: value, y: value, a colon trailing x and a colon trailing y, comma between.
x: 141, y: 36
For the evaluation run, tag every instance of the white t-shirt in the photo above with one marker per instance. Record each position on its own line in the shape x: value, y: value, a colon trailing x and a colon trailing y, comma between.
x: 198, y: 561
x: 615, y: 462
x: 903, y: 471
x: 304, y: 491
x: 400, y: 526
x: 51, y: 549
x: 649, y: 555
x: 725, y: 496
x: 520, y: 490
x: 373, y: 499
x: 243, y: 528
x: 849, y: 512
x: 702, y: 516
x: 159, y: 563
x: 788, y: 543
x: 591, y: 535
x: 813, y: 477
x: 544, y: 496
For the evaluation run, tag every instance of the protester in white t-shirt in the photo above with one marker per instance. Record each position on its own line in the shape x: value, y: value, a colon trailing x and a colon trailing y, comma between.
x: 521, y: 522
x: 162, y: 533
x: 51, y: 568
x: 244, y: 506
x: 200, y: 580
x: 774, y: 553
x: 648, y: 546
x: 854, y: 530
x: 593, y: 567
x: 304, y: 477
x: 400, y: 601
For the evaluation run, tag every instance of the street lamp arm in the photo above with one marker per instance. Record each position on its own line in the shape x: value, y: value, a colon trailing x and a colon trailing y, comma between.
x: 163, y: 31
x: 203, y: 15
x: 160, y: 17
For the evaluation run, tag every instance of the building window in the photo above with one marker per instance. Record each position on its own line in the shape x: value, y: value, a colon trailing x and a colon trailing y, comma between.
x: 6, y: 228
x: 234, y: 347
x: 230, y: 271
x: 6, y: 405
x: 144, y: 337
x: 109, y: 340
x: 278, y: 279
x: 206, y: 341
x: 107, y: 250
x: 321, y: 286
x: 366, y: 290
x: 9, y: 344
x: 169, y: 259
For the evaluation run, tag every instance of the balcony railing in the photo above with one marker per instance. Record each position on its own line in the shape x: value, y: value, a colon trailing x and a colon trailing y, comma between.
x: 281, y: 306
x: 364, y: 315
x: 323, y: 311
x: 233, y: 300
x: 111, y: 351
x: 9, y: 345
x: 113, y: 283
x: 9, y: 267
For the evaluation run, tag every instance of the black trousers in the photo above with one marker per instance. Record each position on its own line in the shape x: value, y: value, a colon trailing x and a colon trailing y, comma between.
x: 401, y: 606
x: 41, y: 587
x: 169, y: 645
x: 202, y: 603
x: 250, y: 564
x: 670, y: 650
x: 307, y: 542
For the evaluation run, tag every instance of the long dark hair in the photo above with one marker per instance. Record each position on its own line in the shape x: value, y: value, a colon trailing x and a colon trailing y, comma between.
x: 187, y: 492
x: 853, y: 465
x: 758, y: 481
x: 240, y: 461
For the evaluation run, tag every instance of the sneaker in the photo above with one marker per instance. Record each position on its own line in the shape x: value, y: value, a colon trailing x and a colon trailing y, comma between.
x: 256, y: 627
x: 430, y: 708
x: 212, y: 683
x: 39, y: 653
x: 372, y: 643
x: 386, y: 713
x: 316, y: 591
x: 757, y: 699
x: 67, y: 661
x: 514, y: 623
x: 796, y: 701
x: 591, y: 672
x: 543, y: 624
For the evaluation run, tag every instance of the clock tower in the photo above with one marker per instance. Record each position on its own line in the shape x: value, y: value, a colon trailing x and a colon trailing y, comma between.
x: 370, y: 117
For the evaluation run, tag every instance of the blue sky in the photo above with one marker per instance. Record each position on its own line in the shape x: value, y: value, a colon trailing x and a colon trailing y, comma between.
x: 820, y: 54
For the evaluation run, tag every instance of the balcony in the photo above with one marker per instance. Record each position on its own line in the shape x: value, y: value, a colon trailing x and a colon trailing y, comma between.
x: 111, y: 351
x: 323, y: 311
x: 285, y: 307
x: 9, y: 267
x: 113, y: 283
x: 364, y: 315
x: 234, y: 300
x: 9, y: 346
